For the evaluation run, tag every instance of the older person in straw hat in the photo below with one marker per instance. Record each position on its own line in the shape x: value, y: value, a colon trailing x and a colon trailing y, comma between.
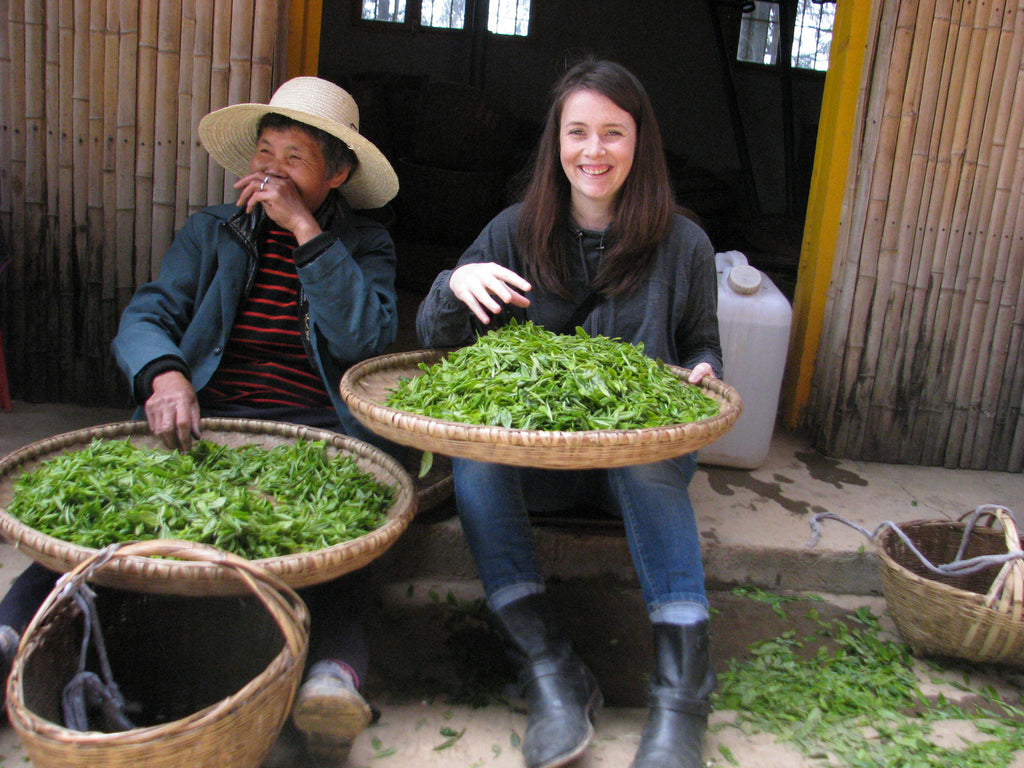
x: 258, y: 309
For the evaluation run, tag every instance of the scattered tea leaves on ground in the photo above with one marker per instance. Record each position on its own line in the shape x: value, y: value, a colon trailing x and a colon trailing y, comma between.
x: 847, y: 697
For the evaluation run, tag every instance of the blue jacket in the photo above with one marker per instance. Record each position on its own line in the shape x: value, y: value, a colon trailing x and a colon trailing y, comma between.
x: 182, y: 319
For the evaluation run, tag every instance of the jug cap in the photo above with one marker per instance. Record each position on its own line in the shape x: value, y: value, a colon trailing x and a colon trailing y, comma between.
x: 744, y: 279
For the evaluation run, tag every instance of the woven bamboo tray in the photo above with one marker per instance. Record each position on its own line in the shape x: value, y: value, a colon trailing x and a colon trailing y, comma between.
x: 223, y: 673
x: 148, y: 574
x: 366, y: 386
x: 975, y: 616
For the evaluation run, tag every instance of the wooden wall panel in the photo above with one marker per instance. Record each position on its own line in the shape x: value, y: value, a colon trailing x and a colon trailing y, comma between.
x: 920, y: 360
x: 100, y: 163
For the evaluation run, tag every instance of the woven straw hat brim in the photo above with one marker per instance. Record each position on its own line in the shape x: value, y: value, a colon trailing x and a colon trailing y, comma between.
x: 229, y: 135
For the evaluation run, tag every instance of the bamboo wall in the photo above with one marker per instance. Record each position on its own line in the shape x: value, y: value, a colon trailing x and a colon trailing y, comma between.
x: 100, y: 163
x: 920, y: 358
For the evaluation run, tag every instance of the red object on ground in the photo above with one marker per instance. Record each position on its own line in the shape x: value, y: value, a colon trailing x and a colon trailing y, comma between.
x: 5, y: 392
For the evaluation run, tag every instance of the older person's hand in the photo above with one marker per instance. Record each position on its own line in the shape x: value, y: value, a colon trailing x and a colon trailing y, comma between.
x: 478, y: 285
x: 172, y: 411
x: 281, y: 200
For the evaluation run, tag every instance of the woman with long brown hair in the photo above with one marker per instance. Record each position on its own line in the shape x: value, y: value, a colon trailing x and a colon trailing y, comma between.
x: 597, y: 242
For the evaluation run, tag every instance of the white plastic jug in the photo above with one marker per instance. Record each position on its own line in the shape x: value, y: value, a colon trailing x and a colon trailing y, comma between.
x: 754, y: 319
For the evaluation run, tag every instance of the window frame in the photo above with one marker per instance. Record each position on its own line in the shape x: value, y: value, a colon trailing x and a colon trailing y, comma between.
x: 414, y: 23
x: 806, y: 72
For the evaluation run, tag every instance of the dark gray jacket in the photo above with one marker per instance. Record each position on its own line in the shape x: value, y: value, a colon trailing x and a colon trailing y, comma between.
x: 673, y: 313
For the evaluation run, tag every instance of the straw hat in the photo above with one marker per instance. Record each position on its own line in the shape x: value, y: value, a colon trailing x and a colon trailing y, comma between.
x: 229, y: 135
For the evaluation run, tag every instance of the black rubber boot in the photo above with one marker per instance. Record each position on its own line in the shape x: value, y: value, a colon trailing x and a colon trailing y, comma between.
x: 680, y: 698
x: 560, y: 692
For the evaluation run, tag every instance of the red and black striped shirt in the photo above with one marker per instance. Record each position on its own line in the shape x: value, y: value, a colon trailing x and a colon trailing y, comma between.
x: 265, y: 363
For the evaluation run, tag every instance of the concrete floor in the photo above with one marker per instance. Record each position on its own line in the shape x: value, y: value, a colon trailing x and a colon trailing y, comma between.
x: 755, y: 529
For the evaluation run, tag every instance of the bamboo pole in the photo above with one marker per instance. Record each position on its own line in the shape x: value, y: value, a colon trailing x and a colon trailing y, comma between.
x: 264, y: 36
x: 995, y: 433
x: 80, y: 141
x: 96, y: 356
x: 240, y: 70
x: 6, y: 77
x: 955, y: 268
x: 165, y: 149
x: 75, y: 166
x: 127, y: 137
x: 219, y: 76
x: 58, y: 321
x: 93, y: 171
x: 145, y: 139
x: 41, y: 275
x: 183, y: 155
x: 21, y: 270
x: 62, y: 161
x: 202, y: 57
x: 108, y: 156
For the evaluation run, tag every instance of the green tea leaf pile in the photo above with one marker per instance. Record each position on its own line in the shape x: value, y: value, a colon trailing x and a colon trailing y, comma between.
x: 522, y: 376
x: 250, y: 500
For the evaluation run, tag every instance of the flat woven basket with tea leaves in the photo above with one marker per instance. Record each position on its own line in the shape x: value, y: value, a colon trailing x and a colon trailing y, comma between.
x: 183, y: 577
x: 524, y: 374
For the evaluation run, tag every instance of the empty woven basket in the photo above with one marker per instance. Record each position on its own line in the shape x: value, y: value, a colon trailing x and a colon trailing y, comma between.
x: 975, y: 612
x: 212, y: 678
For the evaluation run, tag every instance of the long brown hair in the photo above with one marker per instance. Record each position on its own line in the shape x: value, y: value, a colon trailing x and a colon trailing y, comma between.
x: 643, y: 214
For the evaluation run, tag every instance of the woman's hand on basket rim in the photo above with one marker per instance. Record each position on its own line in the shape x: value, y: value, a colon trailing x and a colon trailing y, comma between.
x: 700, y: 372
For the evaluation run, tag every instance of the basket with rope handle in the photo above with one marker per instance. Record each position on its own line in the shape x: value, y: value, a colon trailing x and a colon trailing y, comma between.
x: 972, y: 607
x: 226, y: 668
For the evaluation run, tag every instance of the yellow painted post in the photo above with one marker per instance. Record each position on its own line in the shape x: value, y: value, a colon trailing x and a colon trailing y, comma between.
x: 304, y: 20
x: 824, y: 206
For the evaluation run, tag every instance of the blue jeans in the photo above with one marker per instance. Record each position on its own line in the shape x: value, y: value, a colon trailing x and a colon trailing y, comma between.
x: 494, y: 502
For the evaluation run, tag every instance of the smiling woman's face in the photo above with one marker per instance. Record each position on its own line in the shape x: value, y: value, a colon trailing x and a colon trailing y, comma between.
x: 294, y: 154
x: 597, y: 141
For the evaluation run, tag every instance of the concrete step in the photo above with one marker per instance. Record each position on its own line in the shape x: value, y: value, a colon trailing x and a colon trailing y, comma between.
x: 755, y: 525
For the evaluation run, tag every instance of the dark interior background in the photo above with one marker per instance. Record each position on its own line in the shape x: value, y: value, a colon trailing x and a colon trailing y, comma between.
x: 457, y: 113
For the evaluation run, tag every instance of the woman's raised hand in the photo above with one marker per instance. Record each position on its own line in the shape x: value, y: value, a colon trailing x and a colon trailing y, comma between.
x: 482, y: 286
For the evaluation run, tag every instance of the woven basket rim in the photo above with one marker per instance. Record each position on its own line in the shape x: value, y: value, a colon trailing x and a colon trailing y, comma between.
x: 290, y: 614
x: 179, y: 577
x: 364, y: 387
x: 887, y: 536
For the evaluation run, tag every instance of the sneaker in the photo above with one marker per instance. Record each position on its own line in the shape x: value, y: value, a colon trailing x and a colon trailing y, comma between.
x: 329, y: 712
x: 9, y: 640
